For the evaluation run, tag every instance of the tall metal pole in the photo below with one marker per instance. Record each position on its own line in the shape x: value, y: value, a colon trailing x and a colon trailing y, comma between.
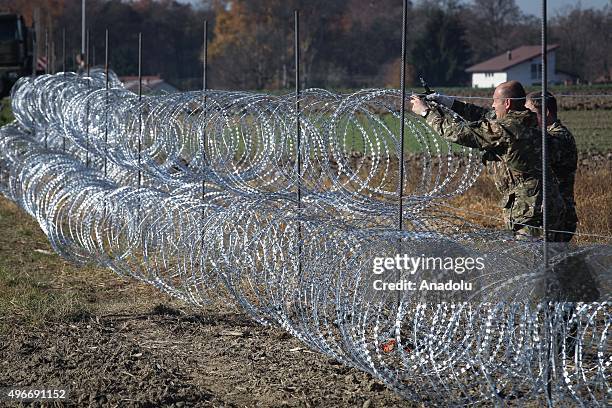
x: 205, y: 57
x: 48, y: 60
x: 52, y: 62
x: 83, y: 27
x: 64, y: 50
x: 87, y: 52
x: 204, y: 89
x: 297, y: 104
x: 204, y: 112
x: 64, y: 71
x: 106, y: 100
x: 46, y: 72
x: 106, y: 60
x: 400, y: 190
x: 544, y: 138
x: 87, y: 103
x: 400, y: 221
x: 139, y: 106
x: 35, y: 26
x: 547, y: 281
x: 296, y: 17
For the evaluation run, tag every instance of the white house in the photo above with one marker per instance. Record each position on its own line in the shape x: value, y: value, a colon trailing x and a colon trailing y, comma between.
x: 523, y: 64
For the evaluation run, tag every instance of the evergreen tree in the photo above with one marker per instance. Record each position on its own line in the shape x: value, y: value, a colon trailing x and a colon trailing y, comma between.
x: 441, y: 53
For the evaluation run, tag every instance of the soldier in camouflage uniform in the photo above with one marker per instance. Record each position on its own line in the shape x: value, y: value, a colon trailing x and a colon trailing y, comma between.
x: 574, y: 275
x: 563, y: 157
x: 511, y: 142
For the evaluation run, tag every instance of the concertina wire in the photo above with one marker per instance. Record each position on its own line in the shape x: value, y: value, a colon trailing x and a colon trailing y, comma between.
x: 196, y: 194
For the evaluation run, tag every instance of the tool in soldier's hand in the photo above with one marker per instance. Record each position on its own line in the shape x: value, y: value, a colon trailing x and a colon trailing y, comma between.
x: 424, y: 85
x: 428, y: 90
x: 434, y: 98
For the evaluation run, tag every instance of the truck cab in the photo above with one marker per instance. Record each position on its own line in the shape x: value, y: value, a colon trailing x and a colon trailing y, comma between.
x: 15, y: 50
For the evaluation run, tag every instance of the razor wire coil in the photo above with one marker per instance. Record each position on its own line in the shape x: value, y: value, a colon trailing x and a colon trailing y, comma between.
x: 194, y: 193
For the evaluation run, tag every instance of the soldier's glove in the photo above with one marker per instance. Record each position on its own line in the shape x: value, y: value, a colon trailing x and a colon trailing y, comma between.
x: 441, y: 99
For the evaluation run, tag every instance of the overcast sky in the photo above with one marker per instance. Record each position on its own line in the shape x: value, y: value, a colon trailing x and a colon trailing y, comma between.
x: 528, y: 6
x: 535, y: 6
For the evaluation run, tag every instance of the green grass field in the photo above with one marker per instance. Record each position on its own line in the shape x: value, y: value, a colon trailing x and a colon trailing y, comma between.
x: 591, y: 128
x: 27, y: 290
x: 6, y: 115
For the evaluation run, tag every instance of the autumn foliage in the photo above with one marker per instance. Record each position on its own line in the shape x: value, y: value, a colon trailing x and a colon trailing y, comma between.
x: 344, y: 43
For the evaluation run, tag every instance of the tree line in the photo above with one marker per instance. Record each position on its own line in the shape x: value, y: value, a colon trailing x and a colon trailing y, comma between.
x: 344, y: 43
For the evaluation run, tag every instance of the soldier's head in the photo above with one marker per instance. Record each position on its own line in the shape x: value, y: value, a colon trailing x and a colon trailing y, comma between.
x: 508, y: 96
x: 534, y: 104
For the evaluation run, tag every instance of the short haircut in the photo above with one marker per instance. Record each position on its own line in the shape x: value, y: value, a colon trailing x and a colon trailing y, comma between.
x: 514, y: 91
x: 551, y: 102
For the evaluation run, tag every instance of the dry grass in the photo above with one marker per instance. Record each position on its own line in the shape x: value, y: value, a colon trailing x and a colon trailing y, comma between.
x: 594, y: 200
x: 37, y: 286
x: 480, y: 204
x: 592, y: 193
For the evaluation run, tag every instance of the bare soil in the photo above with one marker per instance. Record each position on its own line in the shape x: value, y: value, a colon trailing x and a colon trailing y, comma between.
x: 171, y: 358
x: 114, y: 342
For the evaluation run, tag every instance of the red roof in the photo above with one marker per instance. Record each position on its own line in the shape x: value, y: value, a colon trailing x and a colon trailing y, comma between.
x: 510, y: 58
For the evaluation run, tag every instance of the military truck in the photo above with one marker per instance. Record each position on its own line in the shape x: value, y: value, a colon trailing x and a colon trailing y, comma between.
x: 16, y: 42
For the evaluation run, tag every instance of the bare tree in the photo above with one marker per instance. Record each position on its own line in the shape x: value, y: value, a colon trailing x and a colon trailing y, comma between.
x: 490, y: 24
x: 586, y: 41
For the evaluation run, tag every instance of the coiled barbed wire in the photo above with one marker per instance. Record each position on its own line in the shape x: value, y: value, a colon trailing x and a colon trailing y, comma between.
x: 195, y: 193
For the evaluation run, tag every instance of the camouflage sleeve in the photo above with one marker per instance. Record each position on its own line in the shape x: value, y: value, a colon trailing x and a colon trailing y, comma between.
x: 562, y: 148
x: 483, y: 134
x: 556, y: 152
x: 469, y: 111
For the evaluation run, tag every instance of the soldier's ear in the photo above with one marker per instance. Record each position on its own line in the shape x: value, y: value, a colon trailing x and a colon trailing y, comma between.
x: 507, y: 103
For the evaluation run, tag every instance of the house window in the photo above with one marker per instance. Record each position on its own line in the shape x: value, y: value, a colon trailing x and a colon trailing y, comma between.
x: 536, y: 71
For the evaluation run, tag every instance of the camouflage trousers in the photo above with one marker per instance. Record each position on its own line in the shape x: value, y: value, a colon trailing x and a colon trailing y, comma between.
x: 569, y: 277
x: 523, y: 214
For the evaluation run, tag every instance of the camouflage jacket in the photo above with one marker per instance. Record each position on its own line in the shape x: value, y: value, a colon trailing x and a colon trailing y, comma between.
x: 471, y: 112
x: 512, y: 148
x: 563, y: 159
x: 512, y: 145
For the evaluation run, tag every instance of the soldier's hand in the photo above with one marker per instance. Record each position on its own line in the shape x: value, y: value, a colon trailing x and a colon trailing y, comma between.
x: 419, y: 106
x: 441, y: 99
